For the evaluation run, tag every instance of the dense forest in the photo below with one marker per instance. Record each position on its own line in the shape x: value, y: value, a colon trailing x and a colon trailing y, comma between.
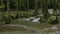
x: 14, y: 9
x: 27, y: 4
x: 29, y: 16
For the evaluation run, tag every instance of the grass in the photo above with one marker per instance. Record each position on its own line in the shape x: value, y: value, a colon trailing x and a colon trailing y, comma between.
x: 12, y: 28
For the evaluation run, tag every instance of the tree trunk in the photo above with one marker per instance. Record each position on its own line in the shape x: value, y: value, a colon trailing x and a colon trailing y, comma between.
x: 36, y: 5
x: 55, y: 10
x: 17, y: 5
x: 58, y: 11
x: 8, y: 6
x: 17, y: 16
x: 28, y: 5
x: 55, y: 7
x: 59, y: 16
x: 45, y: 10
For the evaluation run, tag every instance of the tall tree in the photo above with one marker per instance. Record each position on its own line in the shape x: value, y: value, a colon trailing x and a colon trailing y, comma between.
x: 55, y: 10
x: 45, y: 10
x: 8, y: 6
x: 16, y: 5
x: 28, y: 5
x: 55, y: 7
x: 2, y: 6
x: 36, y: 4
x: 17, y: 8
x: 58, y: 10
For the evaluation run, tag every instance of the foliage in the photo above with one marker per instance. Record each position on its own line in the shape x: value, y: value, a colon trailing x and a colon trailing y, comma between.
x: 11, y: 5
x: 25, y: 14
x: 53, y: 20
x: 2, y: 6
x: 5, y: 18
x: 22, y: 4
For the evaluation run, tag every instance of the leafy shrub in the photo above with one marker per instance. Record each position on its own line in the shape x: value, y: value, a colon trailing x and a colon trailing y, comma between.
x: 53, y: 20
x: 5, y: 18
x: 25, y: 14
x: 1, y: 19
x: 13, y: 15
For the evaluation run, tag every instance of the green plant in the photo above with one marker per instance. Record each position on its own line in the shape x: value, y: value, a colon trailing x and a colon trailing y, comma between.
x: 5, y: 18
x: 53, y: 20
x: 25, y: 14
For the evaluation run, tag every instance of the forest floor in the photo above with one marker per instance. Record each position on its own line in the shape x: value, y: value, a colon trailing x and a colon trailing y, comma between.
x: 32, y: 30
